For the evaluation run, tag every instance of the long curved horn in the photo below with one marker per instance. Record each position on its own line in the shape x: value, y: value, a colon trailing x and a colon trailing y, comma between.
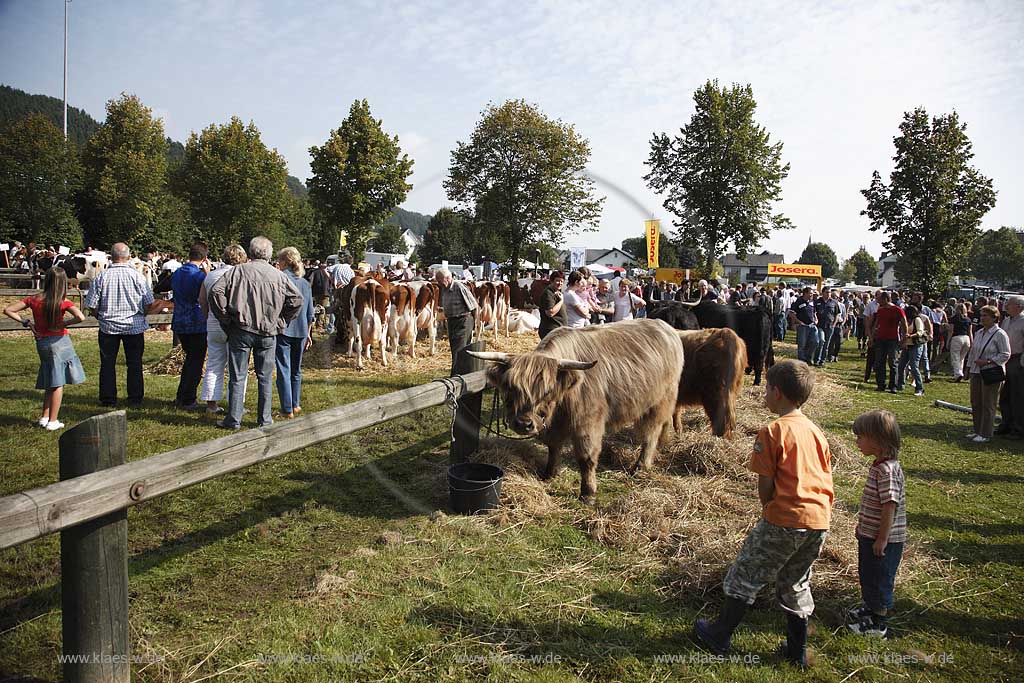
x: 689, y: 304
x: 496, y: 356
x: 564, y: 364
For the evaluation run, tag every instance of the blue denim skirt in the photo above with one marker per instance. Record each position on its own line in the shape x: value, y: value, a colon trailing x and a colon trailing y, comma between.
x: 58, y: 363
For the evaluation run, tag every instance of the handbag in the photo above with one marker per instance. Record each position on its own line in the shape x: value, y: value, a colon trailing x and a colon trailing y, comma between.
x: 991, y: 374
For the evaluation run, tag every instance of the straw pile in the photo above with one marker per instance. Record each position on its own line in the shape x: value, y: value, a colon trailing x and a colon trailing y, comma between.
x: 691, y: 512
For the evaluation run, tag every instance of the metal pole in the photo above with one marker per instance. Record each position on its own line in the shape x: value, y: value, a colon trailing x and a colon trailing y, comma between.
x: 66, y: 3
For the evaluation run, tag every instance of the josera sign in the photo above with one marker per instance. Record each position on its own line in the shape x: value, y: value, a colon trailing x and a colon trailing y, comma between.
x: 677, y: 275
x: 794, y: 270
x: 651, y: 232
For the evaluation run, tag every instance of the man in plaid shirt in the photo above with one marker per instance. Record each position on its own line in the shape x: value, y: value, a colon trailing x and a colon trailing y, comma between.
x: 119, y: 298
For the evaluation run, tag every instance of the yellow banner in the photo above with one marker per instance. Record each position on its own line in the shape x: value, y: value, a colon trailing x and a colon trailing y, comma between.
x: 794, y: 270
x: 676, y: 275
x: 343, y: 239
x: 652, y: 232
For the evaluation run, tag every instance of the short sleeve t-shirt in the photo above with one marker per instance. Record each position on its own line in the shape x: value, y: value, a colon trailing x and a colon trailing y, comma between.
x: 548, y: 300
x: 804, y: 311
x: 887, y: 323
x: 572, y: 301
x: 794, y: 452
x: 884, y: 484
x: 35, y: 304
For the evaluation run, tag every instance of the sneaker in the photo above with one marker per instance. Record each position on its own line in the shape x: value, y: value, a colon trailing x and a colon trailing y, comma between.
x: 42, y: 421
x: 977, y: 439
x: 223, y: 425
x: 296, y: 410
x: 54, y: 425
x: 919, y: 393
x: 189, y: 406
x: 855, y: 614
x: 216, y: 410
x: 970, y: 436
x: 870, y: 625
x: 893, y: 391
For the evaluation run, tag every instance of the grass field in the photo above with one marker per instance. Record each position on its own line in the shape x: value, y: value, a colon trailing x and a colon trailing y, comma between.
x: 331, y: 563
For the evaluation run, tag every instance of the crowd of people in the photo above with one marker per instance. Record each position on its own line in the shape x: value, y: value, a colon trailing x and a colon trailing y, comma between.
x: 226, y: 311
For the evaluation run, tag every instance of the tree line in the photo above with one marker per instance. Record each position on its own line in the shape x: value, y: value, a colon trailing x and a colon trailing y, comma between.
x: 518, y: 186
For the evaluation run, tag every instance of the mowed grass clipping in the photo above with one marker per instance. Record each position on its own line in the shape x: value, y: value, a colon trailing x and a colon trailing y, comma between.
x: 338, y: 562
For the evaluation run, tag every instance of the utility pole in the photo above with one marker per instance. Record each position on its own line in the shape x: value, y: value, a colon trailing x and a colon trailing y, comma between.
x: 66, y: 3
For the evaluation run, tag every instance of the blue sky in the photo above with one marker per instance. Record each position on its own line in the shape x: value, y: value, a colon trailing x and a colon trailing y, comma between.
x: 831, y: 79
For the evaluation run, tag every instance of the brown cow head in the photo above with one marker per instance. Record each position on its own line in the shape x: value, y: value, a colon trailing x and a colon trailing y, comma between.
x: 532, y: 386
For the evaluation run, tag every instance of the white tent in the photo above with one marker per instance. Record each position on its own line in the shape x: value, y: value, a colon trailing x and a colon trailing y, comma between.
x: 599, y: 270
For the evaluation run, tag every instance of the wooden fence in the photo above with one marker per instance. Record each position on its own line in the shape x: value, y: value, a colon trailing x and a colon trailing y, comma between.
x: 89, y: 505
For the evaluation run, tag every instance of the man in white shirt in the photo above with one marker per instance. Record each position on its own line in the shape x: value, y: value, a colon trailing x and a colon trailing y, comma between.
x: 341, y: 274
x: 467, y: 274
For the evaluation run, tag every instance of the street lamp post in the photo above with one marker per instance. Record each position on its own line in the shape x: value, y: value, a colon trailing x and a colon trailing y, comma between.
x: 66, y: 3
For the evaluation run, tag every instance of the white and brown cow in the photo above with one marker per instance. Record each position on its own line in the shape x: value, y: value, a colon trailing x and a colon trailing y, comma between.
x: 492, y: 300
x: 570, y: 390
x: 369, y: 305
x: 428, y: 300
x: 402, y: 318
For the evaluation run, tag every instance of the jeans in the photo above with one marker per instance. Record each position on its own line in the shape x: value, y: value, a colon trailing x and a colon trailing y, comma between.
x: 911, y: 357
x: 289, y: 371
x: 242, y: 345
x: 877, y: 574
x: 824, y: 342
x: 885, y: 355
x: 110, y: 344
x: 780, y: 327
x: 806, y: 343
x: 194, y: 346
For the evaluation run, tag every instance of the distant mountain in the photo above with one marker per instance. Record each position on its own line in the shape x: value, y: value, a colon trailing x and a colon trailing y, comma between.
x: 410, y: 220
x: 17, y: 104
x: 297, y: 187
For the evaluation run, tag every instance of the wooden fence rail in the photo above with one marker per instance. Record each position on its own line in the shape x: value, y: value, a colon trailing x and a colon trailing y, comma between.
x: 8, y: 325
x: 89, y: 505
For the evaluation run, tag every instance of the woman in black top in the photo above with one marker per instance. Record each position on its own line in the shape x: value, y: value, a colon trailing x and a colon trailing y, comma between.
x: 960, y: 339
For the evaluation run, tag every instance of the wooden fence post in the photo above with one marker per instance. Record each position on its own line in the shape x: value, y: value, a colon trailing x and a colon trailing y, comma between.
x: 467, y: 414
x: 94, y: 562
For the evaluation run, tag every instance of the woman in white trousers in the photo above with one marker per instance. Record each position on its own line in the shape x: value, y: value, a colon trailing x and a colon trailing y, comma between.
x: 212, y: 390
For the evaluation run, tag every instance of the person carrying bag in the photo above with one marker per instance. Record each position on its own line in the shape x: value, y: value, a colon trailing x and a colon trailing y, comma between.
x: 987, y: 362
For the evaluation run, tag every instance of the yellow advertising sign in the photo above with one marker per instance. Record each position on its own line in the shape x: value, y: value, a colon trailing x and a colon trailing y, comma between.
x: 651, y: 231
x: 343, y: 240
x: 794, y: 270
x: 676, y: 275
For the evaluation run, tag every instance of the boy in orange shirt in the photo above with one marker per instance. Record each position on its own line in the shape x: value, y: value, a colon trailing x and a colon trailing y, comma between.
x: 794, y: 466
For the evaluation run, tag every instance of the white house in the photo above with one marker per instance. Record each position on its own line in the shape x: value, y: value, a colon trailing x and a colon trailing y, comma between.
x: 412, y: 242
x: 610, y: 258
x: 753, y: 268
x: 887, y: 271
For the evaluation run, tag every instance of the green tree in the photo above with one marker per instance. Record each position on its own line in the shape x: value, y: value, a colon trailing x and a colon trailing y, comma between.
x: 668, y: 251
x: 522, y: 175
x: 236, y: 187
x: 934, y: 202
x: 359, y: 177
x: 846, y: 272
x: 865, y: 267
x: 39, y: 174
x: 125, y: 173
x: 722, y: 174
x: 820, y: 254
x: 998, y: 256
x: 444, y: 237
x: 389, y: 240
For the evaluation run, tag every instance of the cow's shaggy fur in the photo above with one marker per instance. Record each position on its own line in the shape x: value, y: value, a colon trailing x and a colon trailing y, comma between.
x: 713, y: 376
x: 634, y: 381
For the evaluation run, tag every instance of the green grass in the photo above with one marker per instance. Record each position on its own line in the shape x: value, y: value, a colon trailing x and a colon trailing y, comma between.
x: 230, y: 567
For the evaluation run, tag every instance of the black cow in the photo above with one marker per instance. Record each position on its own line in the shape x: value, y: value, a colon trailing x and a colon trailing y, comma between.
x: 676, y: 314
x: 751, y: 323
x: 72, y: 265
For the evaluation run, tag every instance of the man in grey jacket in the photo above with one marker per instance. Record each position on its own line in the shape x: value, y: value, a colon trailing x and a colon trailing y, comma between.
x: 253, y: 302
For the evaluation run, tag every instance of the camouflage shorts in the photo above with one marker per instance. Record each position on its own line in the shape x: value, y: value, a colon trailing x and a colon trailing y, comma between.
x: 775, y: 553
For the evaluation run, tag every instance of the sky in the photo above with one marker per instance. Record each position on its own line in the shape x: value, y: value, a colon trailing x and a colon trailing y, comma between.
x: 831, y: 79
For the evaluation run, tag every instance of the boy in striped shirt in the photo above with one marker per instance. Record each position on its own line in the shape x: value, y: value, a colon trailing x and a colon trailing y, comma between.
x: 881, y: 522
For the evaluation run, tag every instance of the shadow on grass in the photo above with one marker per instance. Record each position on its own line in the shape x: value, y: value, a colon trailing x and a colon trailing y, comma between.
x: 963, y: 476
x: 384, y: 488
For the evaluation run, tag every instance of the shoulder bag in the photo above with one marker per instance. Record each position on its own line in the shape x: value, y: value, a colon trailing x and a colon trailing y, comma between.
x: 991, y: 374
